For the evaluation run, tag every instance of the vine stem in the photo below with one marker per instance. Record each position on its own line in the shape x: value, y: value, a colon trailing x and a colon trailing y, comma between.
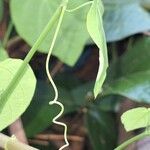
x: 7, y: 34
x: 55, y: 101
x: 11, y: 86
x: 85, y: 4
x: 17, y: 145
x: 132, y: 140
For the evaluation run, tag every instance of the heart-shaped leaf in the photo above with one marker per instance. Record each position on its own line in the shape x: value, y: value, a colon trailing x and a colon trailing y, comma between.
x: 17, y: 102
x: 136, y: 118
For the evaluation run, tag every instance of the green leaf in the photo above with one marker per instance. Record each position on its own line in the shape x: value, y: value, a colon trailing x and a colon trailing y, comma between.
x: 40, y: 110
x: 3, y: 54
x: 108, y: 103
x: 18, y: 101
x: 101, y: 129
x: 67, y: 80
x: 136, y: 118
x: 134, y: 81
x: 1, y: 9
x: 118, y: 16
x: 96, y: 31
x: 135, y: 86
x: 31, y: 16
x: 136, y: 57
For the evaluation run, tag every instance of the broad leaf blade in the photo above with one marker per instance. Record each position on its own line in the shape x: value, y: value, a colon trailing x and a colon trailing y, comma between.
x: 118, y: 16
x: 72, y: 36
x: 96, y: 31
x: 136, y: 57
x: 19, y: 100
x: 136, y: 118
x: 134, y: 81
x: 135, y: 86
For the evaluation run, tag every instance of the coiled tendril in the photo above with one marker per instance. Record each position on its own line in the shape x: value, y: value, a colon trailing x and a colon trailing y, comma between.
x: 55, y: 100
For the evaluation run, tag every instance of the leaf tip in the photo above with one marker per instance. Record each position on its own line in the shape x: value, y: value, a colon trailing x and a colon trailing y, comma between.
x: 97, y: 92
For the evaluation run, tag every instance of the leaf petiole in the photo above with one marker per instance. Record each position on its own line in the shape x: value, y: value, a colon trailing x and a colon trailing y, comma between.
x: 132, y: 140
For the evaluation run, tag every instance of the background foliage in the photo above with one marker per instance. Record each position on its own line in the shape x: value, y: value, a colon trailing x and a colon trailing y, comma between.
x: 125, y: 24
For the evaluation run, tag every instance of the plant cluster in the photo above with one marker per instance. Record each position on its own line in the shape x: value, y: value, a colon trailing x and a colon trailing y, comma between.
x: 69, y: 26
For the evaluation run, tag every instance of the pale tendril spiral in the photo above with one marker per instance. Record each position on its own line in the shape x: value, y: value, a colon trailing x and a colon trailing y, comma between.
x: 55, y: 100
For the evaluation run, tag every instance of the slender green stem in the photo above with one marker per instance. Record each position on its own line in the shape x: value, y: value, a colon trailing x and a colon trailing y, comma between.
x: 12, y: 143
x: 85, y: 4
x: 7, y: 34
x: 4, y: 96
x: 132, y: 140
